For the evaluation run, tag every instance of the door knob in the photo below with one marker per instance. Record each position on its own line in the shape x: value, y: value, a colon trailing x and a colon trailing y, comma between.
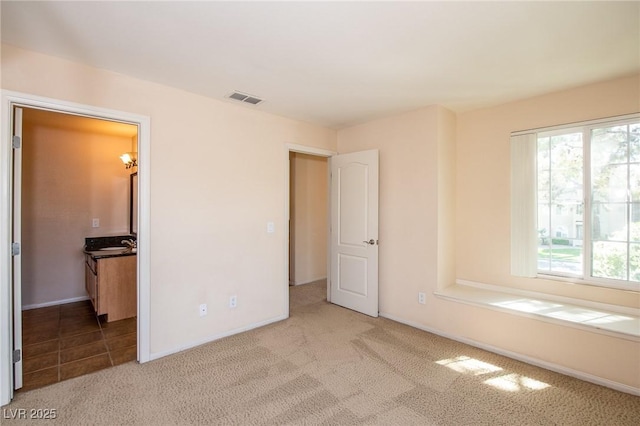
x: 370, y: 242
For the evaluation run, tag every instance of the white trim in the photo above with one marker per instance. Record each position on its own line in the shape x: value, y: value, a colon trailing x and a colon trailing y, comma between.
x: 16, y: 264
x: 9, y: 99
x: 217, y: 336
x: 54, y: 303
x: 143, y: 239
x: 613, y: 284
x: 303, y: 149
x: 520, y: 357
x: 329, y: 177
x: 565, y: 126
x: 313, y: 280
x: 6, y: 310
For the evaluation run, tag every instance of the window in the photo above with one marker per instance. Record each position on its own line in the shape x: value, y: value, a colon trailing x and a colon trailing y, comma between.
x: 587, y: 201
x: 560, y: 182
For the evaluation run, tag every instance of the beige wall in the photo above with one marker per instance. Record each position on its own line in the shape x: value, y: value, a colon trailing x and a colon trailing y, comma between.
x: 446, y: 222
x: 444, y: 214
x: 308, y: 250
x: 483, y: 234
x: 69, y: 178
x: 483, y: 191
x: 217, y: 177
x: 408, y: 212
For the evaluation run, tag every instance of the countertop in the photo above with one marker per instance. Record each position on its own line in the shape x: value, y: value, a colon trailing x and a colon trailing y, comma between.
x: 103, y: 254
x: 93, y: 246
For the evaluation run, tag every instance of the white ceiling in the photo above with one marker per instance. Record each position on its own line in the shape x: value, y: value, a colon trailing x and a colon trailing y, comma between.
x: 341, y: 63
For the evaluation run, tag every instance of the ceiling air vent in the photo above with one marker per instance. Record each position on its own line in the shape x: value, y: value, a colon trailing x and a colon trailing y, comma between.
x: 243, y: 97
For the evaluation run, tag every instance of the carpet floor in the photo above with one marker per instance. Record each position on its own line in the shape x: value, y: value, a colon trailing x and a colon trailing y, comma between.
x: 332, y: 366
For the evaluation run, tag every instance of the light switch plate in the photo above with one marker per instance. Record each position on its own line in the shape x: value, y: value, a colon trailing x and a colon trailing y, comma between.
x: 95, y: 223
x: 271, y: 227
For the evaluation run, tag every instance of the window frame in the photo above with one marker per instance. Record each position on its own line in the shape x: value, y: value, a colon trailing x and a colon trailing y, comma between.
x: 586, y: 128
x: 550, y: 134
x: 588, y: 254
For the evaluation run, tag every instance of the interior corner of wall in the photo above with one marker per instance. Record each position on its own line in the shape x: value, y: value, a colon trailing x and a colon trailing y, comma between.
x: 443, y: 284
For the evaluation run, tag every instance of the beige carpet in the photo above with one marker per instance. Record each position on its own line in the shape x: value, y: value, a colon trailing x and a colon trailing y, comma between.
x: 329, y: 365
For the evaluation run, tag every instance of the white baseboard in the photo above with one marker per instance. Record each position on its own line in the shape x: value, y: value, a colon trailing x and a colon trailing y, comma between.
x: 520, y: 357
x: 215, y: 337
x: 54, y: 303
x: 307, y: 281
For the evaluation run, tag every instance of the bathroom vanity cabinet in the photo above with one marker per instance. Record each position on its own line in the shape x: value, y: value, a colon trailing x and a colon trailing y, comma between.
x: 112, y: 285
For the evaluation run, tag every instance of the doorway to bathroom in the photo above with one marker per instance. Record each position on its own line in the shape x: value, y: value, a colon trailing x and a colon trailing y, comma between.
x: 73, y: 186
x: 13, y: 357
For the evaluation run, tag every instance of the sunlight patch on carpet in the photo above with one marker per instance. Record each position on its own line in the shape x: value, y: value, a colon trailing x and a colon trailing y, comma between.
x: 515, y: 382
x: 507, y: 382
x: 467, y: 365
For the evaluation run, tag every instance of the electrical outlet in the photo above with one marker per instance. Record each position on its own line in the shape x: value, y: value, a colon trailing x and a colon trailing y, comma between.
x: 233, y: 301
x: 95, y: 223
x: 271, y: 227
x: 422, y: 298
x: 203, y: 309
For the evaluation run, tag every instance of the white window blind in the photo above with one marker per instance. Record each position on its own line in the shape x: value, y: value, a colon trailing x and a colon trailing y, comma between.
x: 524, y: 236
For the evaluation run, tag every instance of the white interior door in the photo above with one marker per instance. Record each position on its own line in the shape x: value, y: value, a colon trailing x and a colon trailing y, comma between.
x: 16, y: 248
x: 354, y: 231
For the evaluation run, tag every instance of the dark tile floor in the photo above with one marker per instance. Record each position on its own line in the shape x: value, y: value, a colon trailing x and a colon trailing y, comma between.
x: 65, y: 341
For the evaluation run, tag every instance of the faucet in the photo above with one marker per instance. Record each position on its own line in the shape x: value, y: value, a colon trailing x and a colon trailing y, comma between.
x: 130, y: 243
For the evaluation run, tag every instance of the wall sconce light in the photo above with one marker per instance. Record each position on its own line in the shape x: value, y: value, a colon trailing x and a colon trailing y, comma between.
x: 130, y: 159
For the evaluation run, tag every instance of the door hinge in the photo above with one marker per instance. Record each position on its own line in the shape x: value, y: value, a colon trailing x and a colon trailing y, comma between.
x: 15, y: 142
x: 17, y: 355
x: 15, y: 249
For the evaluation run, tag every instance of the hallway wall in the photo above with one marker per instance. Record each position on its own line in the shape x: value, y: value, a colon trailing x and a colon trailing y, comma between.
x: 308, y: 228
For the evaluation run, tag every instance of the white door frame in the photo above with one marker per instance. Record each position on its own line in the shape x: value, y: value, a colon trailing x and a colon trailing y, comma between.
x: 9, y: 100
x: 319, y: 152
x: 16, y: 264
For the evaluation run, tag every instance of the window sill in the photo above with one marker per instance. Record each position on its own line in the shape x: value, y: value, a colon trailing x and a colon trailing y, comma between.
x: 597, y: 282
x: 612, y: 320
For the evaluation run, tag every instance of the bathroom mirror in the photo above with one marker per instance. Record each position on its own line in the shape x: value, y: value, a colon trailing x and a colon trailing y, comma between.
x: 133, y: 203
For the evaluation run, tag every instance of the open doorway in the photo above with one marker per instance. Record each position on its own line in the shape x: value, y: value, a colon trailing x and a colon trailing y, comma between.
x: 308, y: 223
x: 308, y: 218
x: 10, y: 282
x: 352, y: 228
x: 308, y: 231
x: 74, y: 186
